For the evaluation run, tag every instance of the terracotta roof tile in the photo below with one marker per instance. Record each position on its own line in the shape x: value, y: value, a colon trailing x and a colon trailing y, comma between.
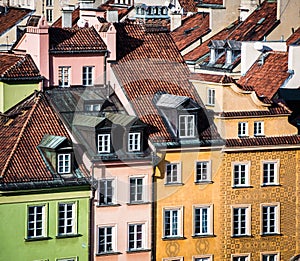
x: 149, y: 63
x: 17, y: 66
x: 75, y: 18
x: 75, y: 40
x: 276, y: 110
x: 266, y: 79
x: 217, y: 78
x: 12, y: 17
x: 248, y: 30
x: 263, y: 141
x: 188, y: 5
x: 192, y: 28
x: 212, y: 2
x: 294, y: 38
x: 122, y: 10
x: 21, y: 130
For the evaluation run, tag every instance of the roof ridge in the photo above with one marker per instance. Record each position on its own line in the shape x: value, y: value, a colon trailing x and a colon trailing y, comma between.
x: 38, y: 96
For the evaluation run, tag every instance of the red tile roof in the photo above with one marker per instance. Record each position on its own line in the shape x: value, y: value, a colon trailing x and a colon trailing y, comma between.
x: 122, y: 10
x: 248, y: 30
x: 75, y: 18
x: 12, y: 18
x: 149, y: 63
x: 193, y: 28
x: 294, y: 38
x: 266, y: 79
x: 217, y: 78
x: 15, y: 66
x: 275, y: 110
x: 188, y: 5
x: 212, y: 2
x: 75, y: 40
x: 22, y: 129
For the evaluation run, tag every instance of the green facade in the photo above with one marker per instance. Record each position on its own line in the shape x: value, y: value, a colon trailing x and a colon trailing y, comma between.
x: 14, y: 243
x: 12, y: 93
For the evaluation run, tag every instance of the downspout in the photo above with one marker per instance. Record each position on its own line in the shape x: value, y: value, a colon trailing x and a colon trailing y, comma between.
x: 92, y: 221
x: 153, y: 211
x: 105, y: 68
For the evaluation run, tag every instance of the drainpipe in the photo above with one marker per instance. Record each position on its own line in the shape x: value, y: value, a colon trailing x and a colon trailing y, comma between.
x: 105, y: 67
x: 153, y: 211
x: 92, y: 221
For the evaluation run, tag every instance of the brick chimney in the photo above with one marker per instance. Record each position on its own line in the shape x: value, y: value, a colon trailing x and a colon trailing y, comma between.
x: 246, y: 8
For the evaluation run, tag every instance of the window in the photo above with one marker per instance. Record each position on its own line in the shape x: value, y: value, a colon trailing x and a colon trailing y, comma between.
x: 186, y: 126
x: 241, y: 258
x: 92, y: 107
x: 243, y: 129
x: 107, y: 192
x: 173, y: 173
x: 241, y: 221
x: 87, y: 75
x: 103, y: 143
x: 203, y: 171
x: 64, y: 163
x: 240, y: 175
x: 203, y: 220
x: 270, y: 219
x: 136, y: 189
x: 270, y: 257
x: 258, y: 128
x: 270, y: 176
x: 134, y: 141
x: 136, y: 237
x: 211, y: 97
x: 66, y: 218
x: 173, y: 222
x: 49, y: 15
x: 203, y: 258
x: 106, y: 243
x: 64, y: 76
x: 49, y: 2
x: 68, y: 259
x: 36, y: 221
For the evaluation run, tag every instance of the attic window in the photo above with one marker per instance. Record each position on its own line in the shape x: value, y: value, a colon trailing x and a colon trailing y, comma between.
x: 186, y: 126
x: 134, y: 141
x: 64, y: 163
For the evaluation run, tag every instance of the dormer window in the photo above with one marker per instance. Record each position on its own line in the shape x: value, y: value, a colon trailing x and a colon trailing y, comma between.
x: 216, y: 50
x: 186, y: 126
x: 64, y: 163
x: 103, y: 143
x: 92, y: 107
x: 134, y: 141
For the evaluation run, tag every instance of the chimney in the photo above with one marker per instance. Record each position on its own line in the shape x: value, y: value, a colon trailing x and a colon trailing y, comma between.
x: 67, y: 16
x: 175, y: 21
x: 294, y: 66
x: 112, y: 16
x: 246, y: 8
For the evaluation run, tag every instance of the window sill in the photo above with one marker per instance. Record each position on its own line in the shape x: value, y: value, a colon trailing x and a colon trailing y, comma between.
x: 108, y: 254
x: 173, y: 238
x: 244, y: 186
x: 203, y: 236
x: 174, y: 184
x: 138, y: 203
x: 108, y: 205
x: 137, y: 251
x: 271, y: 234
x: 68, y: 236
x: 37, y: 239
x: 270, y: 185
x: 238, y: 236
x: 259, y: 135
x: 243, y: 137
x: 203, y: 182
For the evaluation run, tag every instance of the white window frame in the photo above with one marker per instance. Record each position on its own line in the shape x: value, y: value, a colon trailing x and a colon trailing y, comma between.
x: 35, y: 221
x: 240, y: 180
x: 103, y: 184
x: 269, y: 254
x: 179, y: 228
x: 211, y: 97
x: 88, y: 75
x: 172, y: 173
x: 68, y: 222
x: 65, y: 160
x: 276, y: 221
x: 243, y: 129
x: 67, y: 259
x: 113, y: 238
x: 49, y: 2
x: 189, y: 126
x: 204, y: 165
x: 134, y: 141
x: 268, y: 180
x: 49, y: 15
x: 92, y: 107
x: 178, y: 258
x: 258, y: 128
x: 136, y: 196
x: 203, y: 258
x: 247, y: 220
x: 135, y: 236
x: 234, y: 256
x: 64, y: 75
x: 104, y: 143
x: 209, y: 219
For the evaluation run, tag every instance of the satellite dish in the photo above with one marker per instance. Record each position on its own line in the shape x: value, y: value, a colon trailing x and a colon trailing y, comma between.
x: 81, y: 23
x: 258, y: 46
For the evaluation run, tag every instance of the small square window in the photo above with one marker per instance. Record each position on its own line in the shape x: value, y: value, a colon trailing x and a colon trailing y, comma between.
x: 64, y: 163
x: 243, y: 129
x: 104, y: 143
x: 203, y: 171
x: 258, y: 128
x: 173, y: 173
x: 211, y: 97
x: 186, y: 126
x: 240, y: 175
x: 270, y: 173
x: 173, y: 222
x: 134, y: 141
x: 87, y: 75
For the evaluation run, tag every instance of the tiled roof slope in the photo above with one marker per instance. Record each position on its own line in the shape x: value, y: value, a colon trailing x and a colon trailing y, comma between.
x: 21, y: 131
x: 122, y: 10
x: 188, y: 5
x: 212, y: 2
x: 149, y: 63
x: 192, y: 28
x: 217, y: 78
x: 19, y: 67
x: 248, y: 30
x: 12, y: 17
x: 75, y: 18
x: 294, y: 38
x: 267, y: 78
x: 75, y: 40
